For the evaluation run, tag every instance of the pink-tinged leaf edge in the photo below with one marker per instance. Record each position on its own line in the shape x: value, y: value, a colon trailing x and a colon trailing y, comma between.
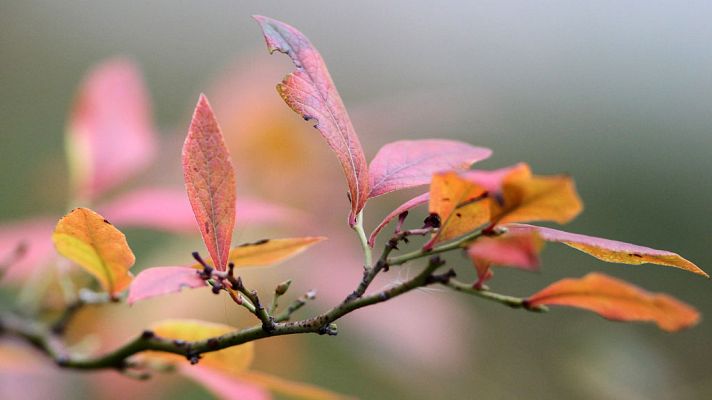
x: 408, y: 163
x: 311, y: 92
x: 159, y: 281
x: 611, y: 250
x: 210, y: 182
x: 412, y: 203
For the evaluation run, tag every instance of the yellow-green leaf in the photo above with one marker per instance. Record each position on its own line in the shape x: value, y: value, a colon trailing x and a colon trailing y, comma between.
x: 232, y: 360
x: 89, y: 240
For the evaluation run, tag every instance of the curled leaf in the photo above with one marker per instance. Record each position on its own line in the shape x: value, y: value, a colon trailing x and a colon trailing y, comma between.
x: 460, y: 204
x: 269, y: 251
x: 412, y: 203
x: 611, y: 250
x: 409, y: 163
x: 514, y: 249
x: 619, y: 301
x: 233, y: 360
x: 210, y: 182
x: 89, y: 240
x: 110, y: 134
x: 160, y: 281
x: 523, y: 197
x: 311, y: 93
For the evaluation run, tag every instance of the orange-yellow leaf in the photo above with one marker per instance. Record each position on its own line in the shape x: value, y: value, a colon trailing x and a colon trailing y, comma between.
x: 460, y: 205
x: 612, y: 250
x: 89, y: 240
x: 619, y: 301
x: 210, y: 182
x: 518, y: 196
x: 269, y: 251
x: 233, y: 360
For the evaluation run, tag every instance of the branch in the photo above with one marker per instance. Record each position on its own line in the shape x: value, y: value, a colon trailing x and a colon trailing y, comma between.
x: 510, y: 301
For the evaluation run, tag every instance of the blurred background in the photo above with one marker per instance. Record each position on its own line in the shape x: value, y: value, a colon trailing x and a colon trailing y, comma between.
x: 617, y: 95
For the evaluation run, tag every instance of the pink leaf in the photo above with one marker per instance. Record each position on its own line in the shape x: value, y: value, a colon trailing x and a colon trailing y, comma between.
x: 35, y: 239
x: 611, y: 250
x: 513, y: 249
x: 414, y: 202
x: 222, y: 385
x: 160, y: 281
x: 169, y: 209
x: 311, y: 93
x: 210, y: 182
x: 491, y: 181
x: 110, y: 133
x: 408, y: 163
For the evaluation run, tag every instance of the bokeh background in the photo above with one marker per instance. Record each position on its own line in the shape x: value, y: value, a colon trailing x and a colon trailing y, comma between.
x: 616, y: 94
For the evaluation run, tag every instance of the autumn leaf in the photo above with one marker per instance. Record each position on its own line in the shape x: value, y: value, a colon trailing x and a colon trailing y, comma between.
x: 524, y: 197
x: 414, y: 202
x: 160, y: 281
x: 291, y: 389
x: 617, y: 300
x: 89, y: 240
x: 269, y: 251
x: 210, y: 182
x: 513, y: 249
x: 611, y: 250
x: 409, y: 163
x: 110, y: 134
x: 311, y: 93
x: 233, y: 360
x: 460, y: 205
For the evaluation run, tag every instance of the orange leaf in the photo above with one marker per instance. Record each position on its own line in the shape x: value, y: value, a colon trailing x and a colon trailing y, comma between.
x: 89, y: 240
x: 460, y: 205
x: 619, y: 301
x: 528, y: 197
x: 233, y: 360
x: 210, y: 182
x: 518, y: 196
x: 611, y: 250
x: 269, y: 251
x: 311, y: 93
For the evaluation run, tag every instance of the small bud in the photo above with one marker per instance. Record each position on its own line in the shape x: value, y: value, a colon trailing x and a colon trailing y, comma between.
x: 282, y: 287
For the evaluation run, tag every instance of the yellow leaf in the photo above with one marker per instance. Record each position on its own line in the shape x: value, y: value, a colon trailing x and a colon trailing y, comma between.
x: 460, y: 205
x: 89, y: 240
x: 527, y: 197
x: 269, y: 251
x: 232, y: 360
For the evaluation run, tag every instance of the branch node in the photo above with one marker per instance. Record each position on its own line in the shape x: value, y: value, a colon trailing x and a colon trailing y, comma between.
x: 148, y: 334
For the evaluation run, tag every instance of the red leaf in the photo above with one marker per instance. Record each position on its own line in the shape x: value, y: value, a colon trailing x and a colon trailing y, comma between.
x: 514, y: 249
x: 408, y: 163
x: 414, y: 202
x: 210, y: 182
x: 611, y: 250
x: 160, y: 281
x: 311, y: 93
x: 169, y: 209
x: 110, y: 134
x: 619, y: 301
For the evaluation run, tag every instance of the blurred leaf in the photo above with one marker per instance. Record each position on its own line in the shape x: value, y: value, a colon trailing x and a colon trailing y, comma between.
x: 110, y: 134
x: 210, y: 182
x: 408, y: 163
x: 619, y: 301
x: 611, y: 250
x: 297, y: 390
x: 233, y: 360
x: 414, y: 202
x: 311, y: 93
x: 160, y: 281
x: 224, y: 386
x: 34, y: 236
x: 89, y: 240
x: 168, y: 209
x: 513, y: 249
x: 459, y: 203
